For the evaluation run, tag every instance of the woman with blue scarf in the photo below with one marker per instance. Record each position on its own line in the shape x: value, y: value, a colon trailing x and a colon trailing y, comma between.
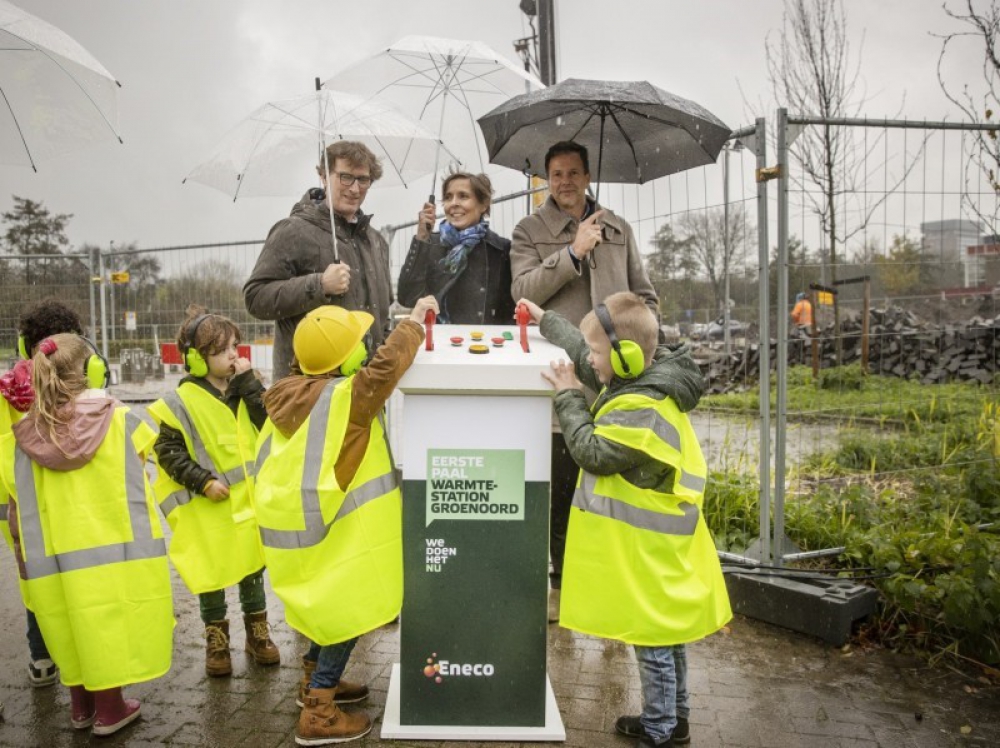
x: 466, y: 267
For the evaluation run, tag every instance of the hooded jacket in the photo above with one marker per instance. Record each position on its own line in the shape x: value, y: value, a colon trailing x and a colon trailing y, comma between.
x: 286, y: 281
x: 545, y: 273
x: 88, y: 419
x: 672, y: 373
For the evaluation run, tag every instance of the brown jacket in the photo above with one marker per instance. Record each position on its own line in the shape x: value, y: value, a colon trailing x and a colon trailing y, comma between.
x: 285, y: 282
x: 545, y: 273
x: 290, y: 401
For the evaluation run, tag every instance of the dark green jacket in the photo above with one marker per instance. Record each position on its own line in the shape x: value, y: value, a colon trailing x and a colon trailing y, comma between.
x: 673, y: 373
x: 171, y: 451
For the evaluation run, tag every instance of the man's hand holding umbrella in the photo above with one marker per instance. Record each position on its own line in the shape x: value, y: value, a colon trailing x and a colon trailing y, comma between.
x: 336, y: 279
x: 588, y: 236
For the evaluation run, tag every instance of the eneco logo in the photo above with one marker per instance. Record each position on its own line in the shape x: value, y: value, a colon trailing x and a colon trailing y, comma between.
x: 441, y: 668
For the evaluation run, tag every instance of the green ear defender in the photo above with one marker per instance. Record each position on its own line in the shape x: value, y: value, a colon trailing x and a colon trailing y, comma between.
x: 353, y: 362
x: 22, y: 348
x: 627, y: 358
x: 194, y: 362
x: 96, y: 368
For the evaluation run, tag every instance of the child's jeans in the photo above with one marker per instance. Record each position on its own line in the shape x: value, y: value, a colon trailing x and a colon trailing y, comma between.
x: 663, y: 674
x: 36, y: 644
x: 331, y: 661
x: 252, y: 600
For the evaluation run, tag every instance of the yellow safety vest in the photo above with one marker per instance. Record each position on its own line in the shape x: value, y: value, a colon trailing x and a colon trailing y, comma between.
x: 95, y: 560
x: 640, y: 565
x: 8, y: 417
x: 334, y: 553
x: 214, y: 544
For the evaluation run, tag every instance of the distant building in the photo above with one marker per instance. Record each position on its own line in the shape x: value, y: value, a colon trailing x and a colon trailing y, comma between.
x: 947, y: 243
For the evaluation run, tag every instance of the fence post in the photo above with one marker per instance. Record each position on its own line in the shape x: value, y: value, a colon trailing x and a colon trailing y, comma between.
x: 92, y: 270
x: 764, y: 341
x: 104, y: 306
x: 782, y: 347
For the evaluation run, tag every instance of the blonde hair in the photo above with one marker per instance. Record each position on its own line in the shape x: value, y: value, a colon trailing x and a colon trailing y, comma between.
x: 58, y: 378
x: 632, y: 320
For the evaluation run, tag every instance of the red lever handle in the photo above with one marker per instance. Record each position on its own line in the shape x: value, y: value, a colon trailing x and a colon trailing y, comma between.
x: 429, y: 320
x: 523, y: 317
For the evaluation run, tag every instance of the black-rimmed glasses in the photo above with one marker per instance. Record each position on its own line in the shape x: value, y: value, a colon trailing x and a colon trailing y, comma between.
x: 346, y: 180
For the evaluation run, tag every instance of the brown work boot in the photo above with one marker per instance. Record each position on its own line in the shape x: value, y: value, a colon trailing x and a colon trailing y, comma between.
x: 346, y: 693
x: 217, y: 661
x: 350, y: 693
x: 259, y: 643
x: 308, y: 666
x: 322, y: 722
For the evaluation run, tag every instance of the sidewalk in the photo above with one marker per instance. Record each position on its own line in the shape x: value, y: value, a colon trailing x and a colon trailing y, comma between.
x: 755, y: 686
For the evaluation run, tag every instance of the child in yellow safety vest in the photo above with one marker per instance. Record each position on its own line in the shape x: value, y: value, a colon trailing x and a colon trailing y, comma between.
x: 204, y: 453
x: 329, y: 504
x: 640, y: 565
x: 47, y: 317
x: 88, y: 544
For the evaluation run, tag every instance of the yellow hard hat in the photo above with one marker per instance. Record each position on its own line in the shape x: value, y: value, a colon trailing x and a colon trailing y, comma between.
x: 326, y: 336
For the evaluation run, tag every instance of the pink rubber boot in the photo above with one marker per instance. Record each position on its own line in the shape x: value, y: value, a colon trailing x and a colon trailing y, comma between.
x: 113, y: 712
x: 82, y: 709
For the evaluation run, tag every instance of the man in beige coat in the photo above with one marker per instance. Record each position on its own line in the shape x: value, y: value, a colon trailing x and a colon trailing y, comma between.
x: 568, y: 256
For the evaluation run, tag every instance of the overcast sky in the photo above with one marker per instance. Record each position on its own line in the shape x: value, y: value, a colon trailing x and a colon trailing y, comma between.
x: 192, y: 69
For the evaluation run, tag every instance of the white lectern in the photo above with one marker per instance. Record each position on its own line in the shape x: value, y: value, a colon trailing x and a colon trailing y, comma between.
x: 475, y: 451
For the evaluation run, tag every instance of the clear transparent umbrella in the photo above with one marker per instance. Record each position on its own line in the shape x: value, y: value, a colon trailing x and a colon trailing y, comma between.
x: 271, y: 150
x: 54, y: 96
x: 445, y: 84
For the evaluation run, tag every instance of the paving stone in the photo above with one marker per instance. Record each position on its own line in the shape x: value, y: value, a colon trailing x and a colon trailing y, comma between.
x: 757, y: 687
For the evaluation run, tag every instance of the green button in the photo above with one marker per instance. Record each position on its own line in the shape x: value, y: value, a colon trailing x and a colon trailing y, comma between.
x: 507, y: 335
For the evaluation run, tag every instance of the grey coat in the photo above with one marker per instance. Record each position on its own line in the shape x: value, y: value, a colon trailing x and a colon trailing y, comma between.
x: 545, y: 273
x: 286, y: 281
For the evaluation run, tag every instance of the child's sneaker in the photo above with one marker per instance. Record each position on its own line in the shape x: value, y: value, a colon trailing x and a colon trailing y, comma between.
x: 631, y: 727
x: 42, y: 673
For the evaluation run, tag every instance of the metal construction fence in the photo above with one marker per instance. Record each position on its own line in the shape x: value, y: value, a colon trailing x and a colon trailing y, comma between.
x: 904, y: 222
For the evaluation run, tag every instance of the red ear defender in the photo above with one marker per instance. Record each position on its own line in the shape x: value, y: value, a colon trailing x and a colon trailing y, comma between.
x: 48, y: 346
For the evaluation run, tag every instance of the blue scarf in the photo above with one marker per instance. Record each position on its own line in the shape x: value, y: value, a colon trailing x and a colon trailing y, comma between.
x: 461, y: 243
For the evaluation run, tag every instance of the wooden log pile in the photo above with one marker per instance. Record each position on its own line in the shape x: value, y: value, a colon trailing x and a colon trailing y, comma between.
x: 900, y: 345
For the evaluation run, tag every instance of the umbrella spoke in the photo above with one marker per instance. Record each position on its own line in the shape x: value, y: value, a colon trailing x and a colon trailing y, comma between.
x: 631, y: 145
x: 17, y: 124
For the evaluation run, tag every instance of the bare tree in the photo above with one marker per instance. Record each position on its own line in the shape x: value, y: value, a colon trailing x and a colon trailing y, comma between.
x: 978, y: 101
x: 705, y: 235
x: 815, y: 73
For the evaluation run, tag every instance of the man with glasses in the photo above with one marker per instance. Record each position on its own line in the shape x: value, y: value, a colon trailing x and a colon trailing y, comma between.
x: 297, y: 272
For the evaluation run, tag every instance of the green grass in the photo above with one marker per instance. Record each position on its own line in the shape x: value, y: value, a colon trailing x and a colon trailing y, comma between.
x: 919, y: 504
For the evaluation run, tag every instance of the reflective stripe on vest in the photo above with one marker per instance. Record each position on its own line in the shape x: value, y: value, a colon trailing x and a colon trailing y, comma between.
x: 143, y: 546
x: 586, y: 499
x: 316, y: 529
x: 3, y: 512
x: 644, y: 418
x: 653, y: 420
x: 183, y: 496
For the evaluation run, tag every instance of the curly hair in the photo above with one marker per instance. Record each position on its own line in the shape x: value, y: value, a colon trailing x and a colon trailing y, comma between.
x: 48, y: 317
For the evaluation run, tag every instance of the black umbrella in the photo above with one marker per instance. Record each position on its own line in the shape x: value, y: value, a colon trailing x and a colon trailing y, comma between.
x: 637, y: 131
